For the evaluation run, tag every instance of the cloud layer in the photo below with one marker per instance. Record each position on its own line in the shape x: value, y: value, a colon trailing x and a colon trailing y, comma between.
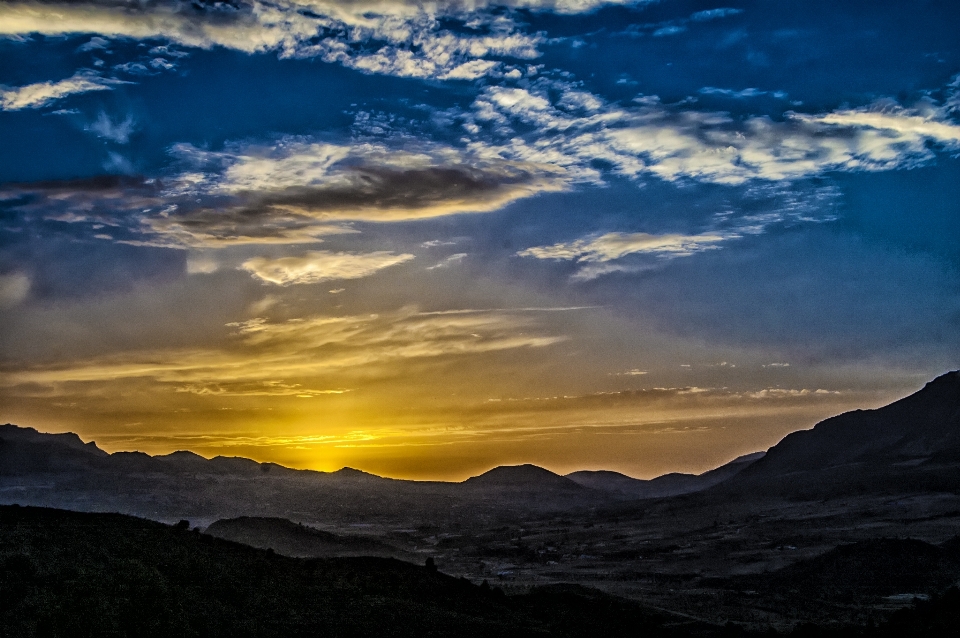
x: 400, y: 38
x: 273, y: 356
x: 562, y: 125
x: 297, y: 192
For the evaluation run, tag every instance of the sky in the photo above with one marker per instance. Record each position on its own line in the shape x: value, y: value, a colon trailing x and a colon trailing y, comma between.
x: 423, y: 239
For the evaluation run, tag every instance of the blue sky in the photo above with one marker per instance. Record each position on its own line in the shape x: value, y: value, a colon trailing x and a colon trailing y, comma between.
x: 425, y: 238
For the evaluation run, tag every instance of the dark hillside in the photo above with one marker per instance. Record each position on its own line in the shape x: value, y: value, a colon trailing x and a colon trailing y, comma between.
x: 911, y: 445
x: 525, y: 476
x: 72, y: 574
x: 295, y: 539
x: 77, y: 574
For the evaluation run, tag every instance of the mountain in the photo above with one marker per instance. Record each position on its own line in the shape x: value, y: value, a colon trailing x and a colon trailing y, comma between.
x: 673, y: 484
x: 59, y: 470
x: 295, y: 539
x: 911, y: 445
x: 522, y: 477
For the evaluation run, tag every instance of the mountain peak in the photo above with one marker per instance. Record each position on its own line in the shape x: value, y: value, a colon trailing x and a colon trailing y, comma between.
x: 72, y: 440
x: 526, y: 475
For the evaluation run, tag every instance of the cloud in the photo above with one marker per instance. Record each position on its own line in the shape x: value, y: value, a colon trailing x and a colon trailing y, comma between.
x: 96, y: 43
x: 373, y: 182
x: 616, y: 245
x: 714, y: 14
x: 449, y: 261
x: 888, y: 133
x: 305, y: 351
x: 571, y: 132
x: 103, y: 199
x: 14, y: 288
x: 320, y: 265
x: 405, y: 38
x: 297, y: 192
x: 201, y: 264
x: 743, y: 94
x: 34, y: 96
x: 221, y: 228
x: 118, y: 132
x: 290, y: 192
x: 257, y: 389
x: 672, y: 29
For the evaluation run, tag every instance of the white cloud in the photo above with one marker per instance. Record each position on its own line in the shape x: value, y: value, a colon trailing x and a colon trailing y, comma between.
x: 320, y: 265
x: 96, y: 43
x: 789, y: 393
x: 397, y: 37
x: 616, y: 245
x: 284, y: 166
x: 201, y: 265
x: 449, y: 261
x: 672, y: 29
x: 118, y: 132
x: 674, y: 144
x: 34, y: 96
x: 714, y: 14
x: 743, y: 94
x: 600, y: 254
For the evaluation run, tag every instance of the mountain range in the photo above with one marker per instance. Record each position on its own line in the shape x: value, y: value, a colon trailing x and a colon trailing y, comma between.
x: 910, y: 445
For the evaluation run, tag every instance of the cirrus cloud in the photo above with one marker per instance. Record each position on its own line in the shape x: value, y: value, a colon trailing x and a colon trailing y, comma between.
x: 40, y: 94
x: 616, y: 245
x: 320, y: 265
x: 279, y: 357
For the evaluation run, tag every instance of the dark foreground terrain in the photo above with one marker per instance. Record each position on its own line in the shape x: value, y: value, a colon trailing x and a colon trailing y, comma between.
x: 75, y: 574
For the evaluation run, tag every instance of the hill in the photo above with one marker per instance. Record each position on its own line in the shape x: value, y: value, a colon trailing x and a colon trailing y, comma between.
x: 911, y: 445
x: 74, y: 574
x: 525, y: 476
x: 673, y: 484
x: 295, y: 539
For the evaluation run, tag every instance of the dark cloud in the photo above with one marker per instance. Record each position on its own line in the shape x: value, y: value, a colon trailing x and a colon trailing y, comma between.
x: 337, y: 197
x: 386, y: 189
x: 104, y: 184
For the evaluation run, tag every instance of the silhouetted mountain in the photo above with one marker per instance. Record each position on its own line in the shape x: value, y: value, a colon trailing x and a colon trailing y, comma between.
x: 525, y: 476
x: 673, y: 484
x: 295, y: 539
x: 910, y: 445
x: 61, y: 471
x: 15, y: 434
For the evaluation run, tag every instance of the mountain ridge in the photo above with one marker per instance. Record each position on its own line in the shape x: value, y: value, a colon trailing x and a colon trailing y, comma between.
x: 910, y: 444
